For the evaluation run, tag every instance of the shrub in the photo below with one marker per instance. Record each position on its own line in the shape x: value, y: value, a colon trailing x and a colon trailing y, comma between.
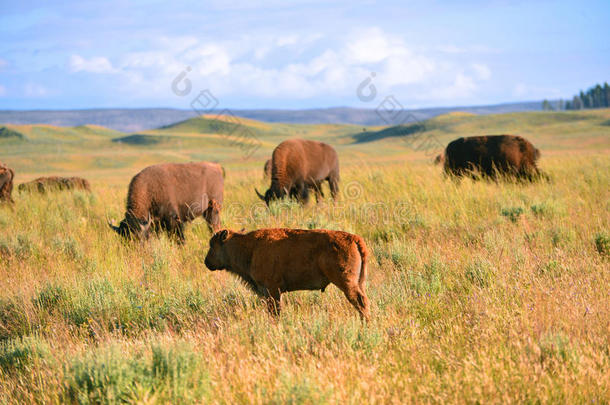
x: 50, y: 297
x: 430, y: 281
x: 552, y: 269
x: 17, y: 354
x: 602, y: 244
x: 480, y: 273
x: 109, y: 376
x: 556, y: 348
x: 512, y: 213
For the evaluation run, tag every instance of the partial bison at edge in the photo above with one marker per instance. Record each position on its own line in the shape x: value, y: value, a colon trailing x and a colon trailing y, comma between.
x: 166, y: 196
x: 492, y: 155
x: 7, y: 175
x: 273, y: 261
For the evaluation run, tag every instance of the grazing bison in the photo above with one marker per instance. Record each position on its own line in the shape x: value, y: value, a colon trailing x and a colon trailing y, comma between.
x: 7, y: 175
x: 166, y: 196
x: 273, y: 261
x: 44, y: 184
x: 507, y: 155
x: 298, y: 165
x: 267, y: 169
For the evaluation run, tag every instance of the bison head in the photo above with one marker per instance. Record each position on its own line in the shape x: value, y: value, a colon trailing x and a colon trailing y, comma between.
x: 218, y: 257
x: 132, y: 227
x: 273, y: 193
x: 212, y: 215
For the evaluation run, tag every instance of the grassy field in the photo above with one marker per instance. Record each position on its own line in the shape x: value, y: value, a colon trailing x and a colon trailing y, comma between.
x: 480, y: 292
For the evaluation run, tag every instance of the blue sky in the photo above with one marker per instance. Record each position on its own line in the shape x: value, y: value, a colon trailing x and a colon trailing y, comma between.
x: 298, y: 54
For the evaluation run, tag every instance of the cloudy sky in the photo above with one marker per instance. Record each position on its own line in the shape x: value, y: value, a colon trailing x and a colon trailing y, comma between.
x: 298, y: 54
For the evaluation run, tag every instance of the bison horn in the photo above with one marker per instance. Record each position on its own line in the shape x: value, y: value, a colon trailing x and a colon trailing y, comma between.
x: 259, y: 194
x: 112, y: 226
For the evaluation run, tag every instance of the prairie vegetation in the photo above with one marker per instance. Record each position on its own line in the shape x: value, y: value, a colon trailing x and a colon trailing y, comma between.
x: 480, y: 291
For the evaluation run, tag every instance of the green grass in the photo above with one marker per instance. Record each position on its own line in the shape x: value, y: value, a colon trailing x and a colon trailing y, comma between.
x: 480, y: 291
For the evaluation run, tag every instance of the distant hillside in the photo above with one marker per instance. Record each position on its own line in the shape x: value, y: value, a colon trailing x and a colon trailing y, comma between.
x: 133, y: 120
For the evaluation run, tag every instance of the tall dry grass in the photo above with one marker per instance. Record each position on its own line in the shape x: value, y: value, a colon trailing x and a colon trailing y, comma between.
x: 480, y: 292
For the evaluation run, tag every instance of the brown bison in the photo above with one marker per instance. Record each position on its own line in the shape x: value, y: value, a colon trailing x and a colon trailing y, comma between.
x: 299, y: 165
x: 273, y: 261
x: 7, y: 175
x: 492, y: 155
x: 294, y: 192
x: 166, y: 196
x: 53, y: 183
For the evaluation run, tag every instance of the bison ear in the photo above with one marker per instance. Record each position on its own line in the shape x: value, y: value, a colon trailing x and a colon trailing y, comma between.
x: 223, y: 235
x: 213, y: 204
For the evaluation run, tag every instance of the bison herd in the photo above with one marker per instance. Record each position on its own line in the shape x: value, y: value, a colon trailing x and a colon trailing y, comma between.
x: 164, y: 197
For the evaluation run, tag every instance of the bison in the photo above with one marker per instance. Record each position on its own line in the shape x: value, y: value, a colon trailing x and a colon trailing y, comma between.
x: 273, y: 261
x: 52, y: 183
x: 166, y: 196
x: 299, y: 165
x: 492, y: 155
x: 7, y: 176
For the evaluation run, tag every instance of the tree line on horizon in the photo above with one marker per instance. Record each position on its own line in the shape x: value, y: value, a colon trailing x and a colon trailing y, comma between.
x: 597, y: 96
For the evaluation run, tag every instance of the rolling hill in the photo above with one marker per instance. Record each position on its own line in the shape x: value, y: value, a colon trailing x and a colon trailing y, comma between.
x: 138, y: 119
x: 245, y: 142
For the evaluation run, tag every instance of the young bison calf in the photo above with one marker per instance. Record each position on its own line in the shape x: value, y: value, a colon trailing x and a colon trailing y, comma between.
x: 273, y: 261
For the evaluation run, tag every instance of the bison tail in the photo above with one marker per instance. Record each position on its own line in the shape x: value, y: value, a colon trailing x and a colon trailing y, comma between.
x: 364, y: 253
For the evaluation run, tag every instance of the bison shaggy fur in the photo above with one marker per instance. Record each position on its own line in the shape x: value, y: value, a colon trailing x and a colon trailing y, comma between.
x: 274, y: 261
x: 7, y: 175
x: 298, y: 165
x: 166, y: 196
x: 55, y: 183
x: 492, y: 155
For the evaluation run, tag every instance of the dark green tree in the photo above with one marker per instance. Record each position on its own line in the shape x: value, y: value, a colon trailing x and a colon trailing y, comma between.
x: 546, y: 106
x: 584, y: 99
x: 576, y: 103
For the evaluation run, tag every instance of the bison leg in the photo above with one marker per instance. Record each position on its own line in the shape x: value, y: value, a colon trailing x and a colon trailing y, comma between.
x: 318, y: 191
x: 179, y: 233
x: 302, y: 193
x: 273, y: 298
x: 333, y: 183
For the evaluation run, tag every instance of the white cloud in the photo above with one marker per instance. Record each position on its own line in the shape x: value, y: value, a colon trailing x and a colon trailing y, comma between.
x: 525, y: 91
x: 96, y: 64
x: 462, y: 87
x: 2, y: 90
x: 481, y: 71
x: 289, y: 67
x: 371, y: 46
x: 209, y: 59
x: 287, y: 40
x: 34, y: 90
